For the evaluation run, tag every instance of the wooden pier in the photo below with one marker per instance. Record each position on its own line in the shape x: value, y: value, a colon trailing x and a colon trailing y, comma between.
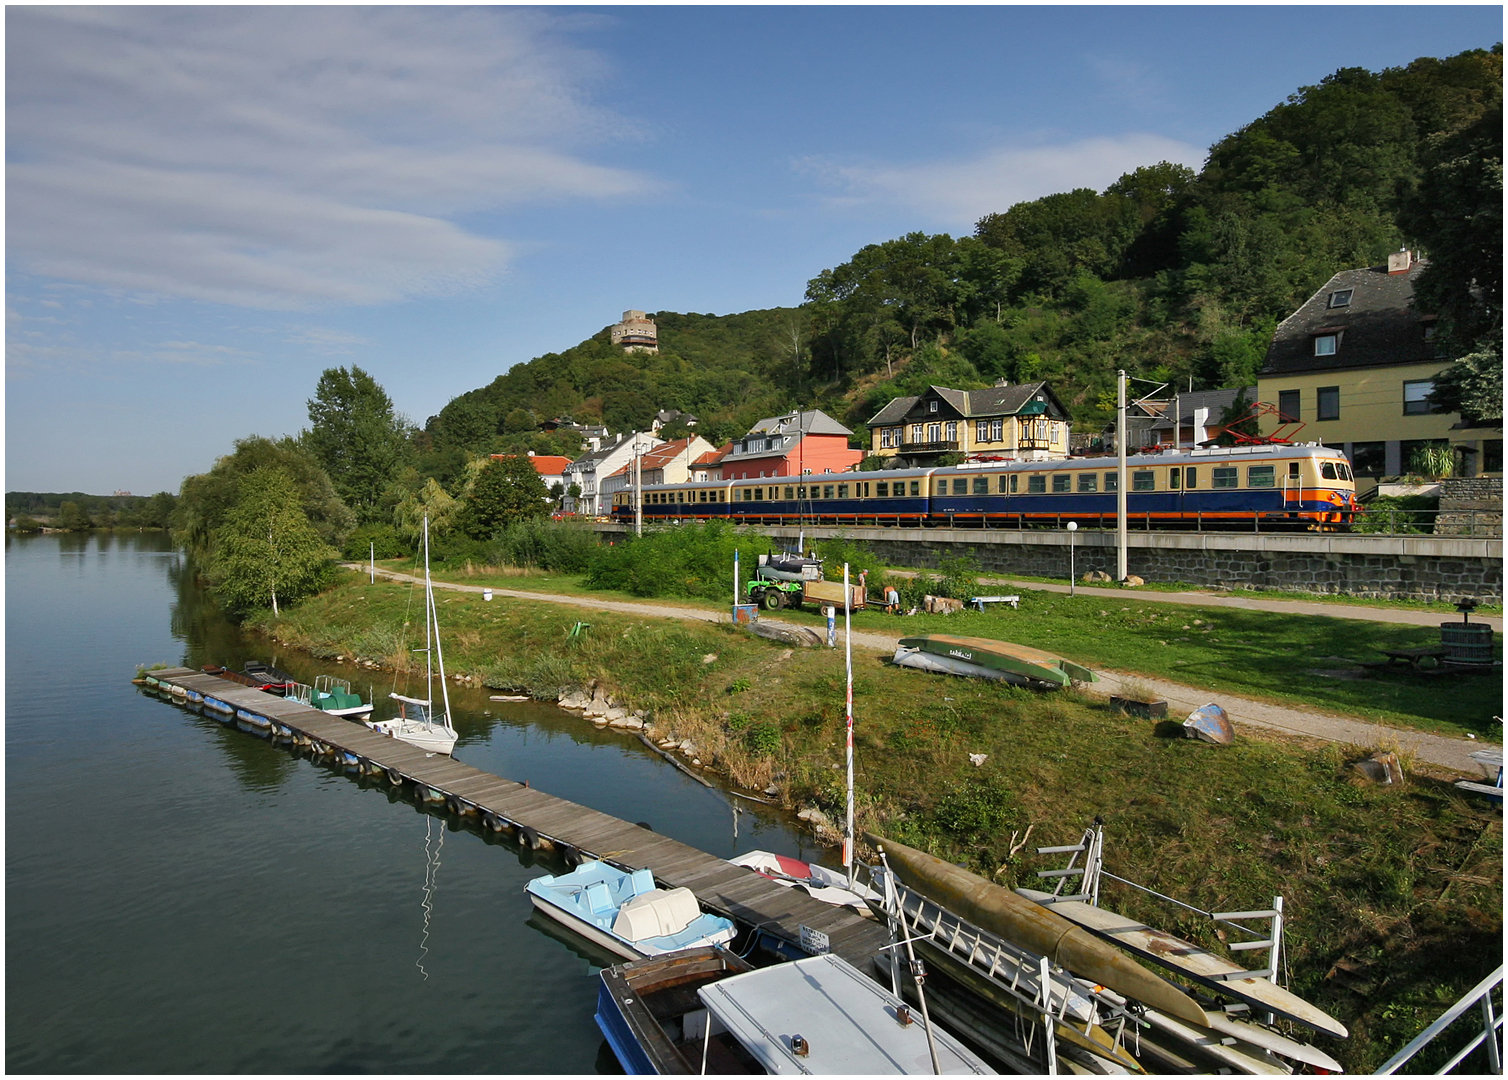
x: 540, y: 820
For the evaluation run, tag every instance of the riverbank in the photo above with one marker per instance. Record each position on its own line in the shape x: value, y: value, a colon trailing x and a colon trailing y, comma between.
x: 1395, y: 893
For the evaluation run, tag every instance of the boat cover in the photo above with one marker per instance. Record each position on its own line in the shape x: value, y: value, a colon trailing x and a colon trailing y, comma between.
x: 847, y: 1020
x: 657, y: 921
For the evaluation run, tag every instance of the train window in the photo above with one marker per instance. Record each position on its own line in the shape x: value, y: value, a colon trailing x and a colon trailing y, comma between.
x: 1224, y: 477
x: 759, y: 494
x: 1327, y: 471
x: 1144, y: 480
x: 1190, y: 478
x: 1088, y: 481
x: 1036, y: 483
x: 865, y: 492
x: 1293, y: 470
x: 981, y: 485
x: 1013, y: 483
x: 1112, y: 481
x: 789, y: 494
x: 942, y: 487
x: 1260, y: 476
x: 1344, y: 470
x: 701, y: 496
x: 916, y: 487
x: 882, y: 489
x: 843, y: 494
x: 1004, y: 483
x: 827, y: 491
x: 801, y: 492
x: 960, y: 485
x: 1175, y: 478
x: 1061, y: 482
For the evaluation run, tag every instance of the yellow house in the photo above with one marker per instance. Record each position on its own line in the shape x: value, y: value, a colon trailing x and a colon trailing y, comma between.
x: 1356, y: 366
x: 1026, y: 422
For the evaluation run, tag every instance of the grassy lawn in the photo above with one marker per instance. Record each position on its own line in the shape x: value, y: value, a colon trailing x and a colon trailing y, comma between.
x: 1304, y: 660
x: 1400, y: 887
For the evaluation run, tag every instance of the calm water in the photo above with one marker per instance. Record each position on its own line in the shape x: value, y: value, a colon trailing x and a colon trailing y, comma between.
x: 183, y: 896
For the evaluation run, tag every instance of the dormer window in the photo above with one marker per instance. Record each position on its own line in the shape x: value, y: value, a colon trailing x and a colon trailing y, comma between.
x: 1326, y: 344
x: 1341, y: 298
x: 931, y: 406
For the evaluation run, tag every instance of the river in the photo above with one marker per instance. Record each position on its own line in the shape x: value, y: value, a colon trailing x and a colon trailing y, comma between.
x: 184, y: 897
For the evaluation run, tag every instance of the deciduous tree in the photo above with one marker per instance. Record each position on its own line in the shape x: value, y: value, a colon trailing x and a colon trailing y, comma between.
x: 267, y: 552
x: 504, y: 491
x: 358, y: 437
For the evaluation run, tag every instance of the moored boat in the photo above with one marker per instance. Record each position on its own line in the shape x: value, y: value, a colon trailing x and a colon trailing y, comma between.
x: 625, y: 912
x: 642, y: 1007
x: 985, y: 658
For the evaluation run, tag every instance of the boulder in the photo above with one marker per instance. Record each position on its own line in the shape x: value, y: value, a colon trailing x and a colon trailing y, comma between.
x: 815, y: 816
x: 1133, y: 581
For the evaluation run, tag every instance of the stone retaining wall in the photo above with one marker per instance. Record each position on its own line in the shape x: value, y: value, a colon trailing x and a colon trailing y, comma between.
x: 1470, y: 506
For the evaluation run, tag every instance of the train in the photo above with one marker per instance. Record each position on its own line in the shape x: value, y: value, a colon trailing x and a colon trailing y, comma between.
x: 1299, y: 485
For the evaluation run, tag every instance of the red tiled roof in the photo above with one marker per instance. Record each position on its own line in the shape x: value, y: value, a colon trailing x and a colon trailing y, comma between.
x: 712, y: 457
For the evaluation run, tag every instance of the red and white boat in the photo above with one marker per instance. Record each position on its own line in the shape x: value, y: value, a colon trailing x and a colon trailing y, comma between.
x: 829, y: 886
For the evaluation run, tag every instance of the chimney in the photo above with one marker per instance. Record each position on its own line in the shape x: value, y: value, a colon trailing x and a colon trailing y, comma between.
x: 1400, y: 261
x: 1002, y: 382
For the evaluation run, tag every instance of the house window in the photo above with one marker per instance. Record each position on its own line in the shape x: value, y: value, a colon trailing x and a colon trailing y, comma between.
x: 997, y: 430
x: 916, y: 433
x: 1036, y: 484
x: 1410, y: 453
x: 981, y: 485
x: 1288, y: 404
x: 884, y: 438
x: 982, y: 431
x: 1112, y: 482
x: 1329, y: 403
x: 1088, y: 481
x: 1144, y: 480
x: 952, y: 431
x: 1061, y: 482
x: 1224, y: 478
x: 1261, y: 476
x: 895, y: 436
x: 1416, y: 400
x: 1369, y: 458
x: 931, y: 406
x: 1326, y: 344
x: 960, y: 485
x: 1341, y: 298
x: 934, y: 433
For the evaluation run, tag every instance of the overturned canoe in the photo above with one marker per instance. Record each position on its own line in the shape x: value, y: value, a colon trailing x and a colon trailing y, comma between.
x: 1030, y: 925
x: 1189, y: 960
x: 989, y: 659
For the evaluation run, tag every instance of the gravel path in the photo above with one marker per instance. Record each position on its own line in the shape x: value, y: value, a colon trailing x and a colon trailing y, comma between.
x: 1444, y: 752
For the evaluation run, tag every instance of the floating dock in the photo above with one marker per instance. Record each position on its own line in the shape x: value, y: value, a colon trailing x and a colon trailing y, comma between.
x: 538, y: 820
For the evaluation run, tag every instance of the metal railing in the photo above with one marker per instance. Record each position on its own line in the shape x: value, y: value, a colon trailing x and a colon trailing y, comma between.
x: 1490, y: 1036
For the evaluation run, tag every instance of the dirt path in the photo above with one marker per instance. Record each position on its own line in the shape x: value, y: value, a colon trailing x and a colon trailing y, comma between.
x: 1441, y: 751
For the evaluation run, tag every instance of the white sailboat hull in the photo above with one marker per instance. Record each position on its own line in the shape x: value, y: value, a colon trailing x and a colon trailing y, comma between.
x: 431, y: 737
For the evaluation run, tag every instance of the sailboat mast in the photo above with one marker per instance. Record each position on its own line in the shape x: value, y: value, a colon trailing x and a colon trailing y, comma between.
x: 429, y: 676
x: 848, y: 859
x: 432, y: 626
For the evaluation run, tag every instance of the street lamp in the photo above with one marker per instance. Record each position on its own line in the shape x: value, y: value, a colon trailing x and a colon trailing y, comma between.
x: 1073, y: 527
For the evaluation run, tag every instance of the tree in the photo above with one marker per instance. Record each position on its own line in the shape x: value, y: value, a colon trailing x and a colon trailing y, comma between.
x: 205, y: 500
x: 1473, y: 387
x: 431, y: 501
x: 267, y: 551
x: 503, y: 492
x: 71, y: 516
x: 357, y: 437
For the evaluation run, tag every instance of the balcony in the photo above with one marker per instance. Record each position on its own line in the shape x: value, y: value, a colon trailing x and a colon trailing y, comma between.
x: 944, y: 447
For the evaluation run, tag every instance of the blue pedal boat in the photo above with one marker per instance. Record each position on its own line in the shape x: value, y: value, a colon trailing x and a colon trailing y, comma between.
x: 625, y: 913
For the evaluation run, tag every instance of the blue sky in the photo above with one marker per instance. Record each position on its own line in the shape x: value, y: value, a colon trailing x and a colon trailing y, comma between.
x: 206, y: 207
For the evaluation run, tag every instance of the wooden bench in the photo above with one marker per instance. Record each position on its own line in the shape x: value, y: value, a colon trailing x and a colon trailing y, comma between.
x: 980, y: 601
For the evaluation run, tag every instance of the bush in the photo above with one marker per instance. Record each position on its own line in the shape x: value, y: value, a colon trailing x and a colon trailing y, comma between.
x: 559, y: 546
x: 1400, y: 513
x: 385, y: 538
x: 687, y: 560
x: 972, y: 810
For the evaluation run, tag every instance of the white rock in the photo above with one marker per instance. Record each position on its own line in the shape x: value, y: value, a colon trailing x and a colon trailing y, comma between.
x: 618, y: 721
x: 813, y: 815
x: 633, y: 723
x: 688, y: 747
x: 977, y: 760
x: 615, y: 714
x: 710, y: 658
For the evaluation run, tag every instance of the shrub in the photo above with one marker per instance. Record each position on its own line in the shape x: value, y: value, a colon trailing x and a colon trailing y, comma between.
x: 385, y: 538
x: 685, y: 560
x: 763, y: 739
x: 558, y: 546
x: 969, y: 811
x: 1400, y: 513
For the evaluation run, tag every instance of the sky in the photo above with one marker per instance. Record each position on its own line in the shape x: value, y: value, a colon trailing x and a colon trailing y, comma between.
x: 206, y: 207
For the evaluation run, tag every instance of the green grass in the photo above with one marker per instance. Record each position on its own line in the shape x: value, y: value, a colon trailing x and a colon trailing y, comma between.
x: 1402, y: 886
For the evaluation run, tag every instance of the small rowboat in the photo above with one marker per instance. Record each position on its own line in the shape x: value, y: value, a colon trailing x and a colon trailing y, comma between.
x: 985, y: 658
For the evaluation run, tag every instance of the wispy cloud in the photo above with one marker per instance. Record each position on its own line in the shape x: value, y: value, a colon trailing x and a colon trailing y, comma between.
x: 957, y: 193
x: 285, y: 157
x: 325, y: 340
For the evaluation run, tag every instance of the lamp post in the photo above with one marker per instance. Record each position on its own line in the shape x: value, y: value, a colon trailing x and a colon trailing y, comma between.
x: 1073, y: 527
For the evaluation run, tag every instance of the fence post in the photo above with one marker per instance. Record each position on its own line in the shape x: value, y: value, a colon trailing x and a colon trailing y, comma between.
x: 1392, y: 522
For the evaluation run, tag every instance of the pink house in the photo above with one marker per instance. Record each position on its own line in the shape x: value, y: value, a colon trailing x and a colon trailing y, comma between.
x: 796, y: 444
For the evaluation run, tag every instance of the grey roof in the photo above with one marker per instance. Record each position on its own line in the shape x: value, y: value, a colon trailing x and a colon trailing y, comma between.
x: 811, y: 422
x: 1216, y: 401
x: 1378, y: 328
x: 971, y: 404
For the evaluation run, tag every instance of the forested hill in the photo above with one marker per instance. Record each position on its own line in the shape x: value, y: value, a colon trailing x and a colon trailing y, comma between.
x: 1170, y: 274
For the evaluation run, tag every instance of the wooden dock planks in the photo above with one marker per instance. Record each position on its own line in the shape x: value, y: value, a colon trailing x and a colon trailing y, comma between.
x: 730, y: 890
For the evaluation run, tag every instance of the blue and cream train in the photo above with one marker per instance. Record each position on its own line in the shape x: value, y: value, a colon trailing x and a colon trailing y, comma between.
x: 1306, y: 486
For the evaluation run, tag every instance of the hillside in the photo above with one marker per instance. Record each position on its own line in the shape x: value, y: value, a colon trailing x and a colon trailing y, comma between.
x: 1172, y: 275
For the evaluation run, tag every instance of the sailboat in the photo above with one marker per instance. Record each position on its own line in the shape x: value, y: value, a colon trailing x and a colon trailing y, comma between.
x: 416, y: 723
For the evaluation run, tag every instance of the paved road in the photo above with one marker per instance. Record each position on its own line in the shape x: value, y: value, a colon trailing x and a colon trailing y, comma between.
x: 1444, y: 752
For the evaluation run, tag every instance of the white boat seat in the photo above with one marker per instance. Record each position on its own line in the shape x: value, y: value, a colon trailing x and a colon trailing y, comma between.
x: 656, y: 914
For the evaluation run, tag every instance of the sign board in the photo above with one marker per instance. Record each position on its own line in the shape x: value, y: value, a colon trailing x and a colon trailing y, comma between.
x: 814, y: 942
